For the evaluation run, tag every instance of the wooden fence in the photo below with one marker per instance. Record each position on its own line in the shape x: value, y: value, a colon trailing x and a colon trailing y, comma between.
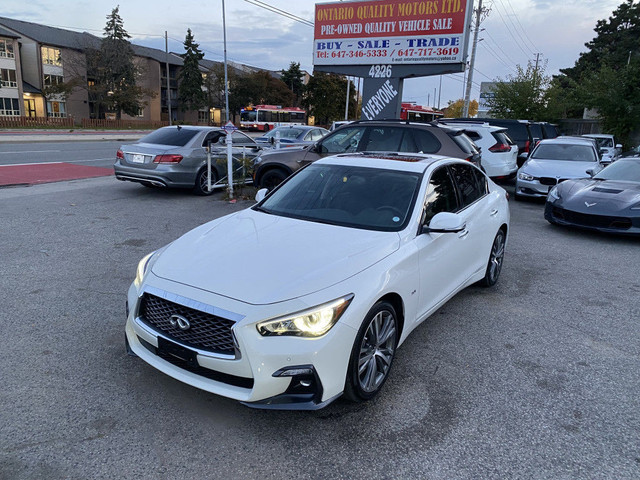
x: 22, y: 122
x: 121, y: 124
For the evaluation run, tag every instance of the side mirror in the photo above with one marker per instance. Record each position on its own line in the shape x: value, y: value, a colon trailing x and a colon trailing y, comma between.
x: 260, y: 194
x: 591, y: 172
x: 315, y: 148
x: 524, y: 155
x: 445, y: 222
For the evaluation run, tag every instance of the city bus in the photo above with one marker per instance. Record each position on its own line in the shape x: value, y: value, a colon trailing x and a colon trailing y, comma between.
x: 418, y: 113
x: 265, y: 117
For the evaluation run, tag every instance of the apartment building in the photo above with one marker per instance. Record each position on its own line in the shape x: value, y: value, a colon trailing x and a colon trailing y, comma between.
x: 34, y: 57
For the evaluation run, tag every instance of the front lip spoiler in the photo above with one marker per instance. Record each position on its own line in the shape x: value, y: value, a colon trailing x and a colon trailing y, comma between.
x: 290, y: 402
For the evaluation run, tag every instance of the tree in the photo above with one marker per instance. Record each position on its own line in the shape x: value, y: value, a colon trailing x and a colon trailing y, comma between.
x: 325, y: 97
x: 455, y: 108
x: 292, y: 78
x: 112, y: 72
x: 190, y: 92
x: 605, y: 77
x: 522, y: 95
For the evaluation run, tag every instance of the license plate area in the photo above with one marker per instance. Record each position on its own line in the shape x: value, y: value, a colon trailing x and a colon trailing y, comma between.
x: 167, y: 348
x: 137, y: 158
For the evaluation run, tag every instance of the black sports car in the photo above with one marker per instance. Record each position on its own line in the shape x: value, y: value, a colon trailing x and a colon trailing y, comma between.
x: 608, y: 201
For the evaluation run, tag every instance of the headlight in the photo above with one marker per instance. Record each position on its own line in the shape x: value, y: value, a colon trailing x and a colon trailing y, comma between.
x: 554, y: 194
x: 525, y: 176
x: 313, y: 322
x: 636, y: 207
x: 142, y: 269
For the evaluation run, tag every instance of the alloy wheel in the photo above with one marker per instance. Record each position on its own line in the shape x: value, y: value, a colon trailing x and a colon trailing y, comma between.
x: 376, y: 351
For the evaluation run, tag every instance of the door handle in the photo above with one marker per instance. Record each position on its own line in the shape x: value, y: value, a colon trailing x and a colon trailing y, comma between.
x: 464, y: 233
x: 494, y: 212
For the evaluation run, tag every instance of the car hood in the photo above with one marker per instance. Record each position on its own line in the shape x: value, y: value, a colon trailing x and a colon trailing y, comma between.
x: 609, y: 195
x: 558, y: 168
x: 260, y: 259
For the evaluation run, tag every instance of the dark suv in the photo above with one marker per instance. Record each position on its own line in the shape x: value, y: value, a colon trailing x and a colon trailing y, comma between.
x: 273, y: 166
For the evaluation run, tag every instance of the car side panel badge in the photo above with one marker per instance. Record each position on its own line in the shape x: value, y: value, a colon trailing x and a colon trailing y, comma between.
x: 180, y: 322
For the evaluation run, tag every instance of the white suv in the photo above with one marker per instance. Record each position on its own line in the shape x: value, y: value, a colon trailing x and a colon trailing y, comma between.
x: 499, y: 152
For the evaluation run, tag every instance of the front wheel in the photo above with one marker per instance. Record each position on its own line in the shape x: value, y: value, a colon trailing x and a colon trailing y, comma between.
x: 372, y: 354
x: 200, y: 187
x: 272, y: 179
x: 494, y: 265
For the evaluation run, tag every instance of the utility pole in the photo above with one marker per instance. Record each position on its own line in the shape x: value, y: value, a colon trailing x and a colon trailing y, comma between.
x: 467, y: 95
x: 346, y: 107
x: 439, y: 92
x: 226, y: 78
x: 166, y: 64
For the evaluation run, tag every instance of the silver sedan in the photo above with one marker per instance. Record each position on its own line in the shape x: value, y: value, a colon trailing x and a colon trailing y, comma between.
x: 177, y: 157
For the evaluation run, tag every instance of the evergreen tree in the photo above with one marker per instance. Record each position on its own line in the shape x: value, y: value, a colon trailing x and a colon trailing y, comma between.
x: 113, y: 72
x: 325, y: 97
x: 292, y: 78
x: 190, y: 92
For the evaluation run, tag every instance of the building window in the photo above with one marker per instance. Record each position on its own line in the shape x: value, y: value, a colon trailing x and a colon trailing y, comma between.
x: 50, y: 80
x: 9, y: 107
x: 6, y: 48
x: 204, y: 116
x: 56, y: 109
x: 8, y: 78
x: 140, y: 112
x: 51, y: 56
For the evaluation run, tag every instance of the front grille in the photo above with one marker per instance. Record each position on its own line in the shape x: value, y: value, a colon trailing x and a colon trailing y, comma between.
x: 198, y: 370
x: 597, y: 221
x: 548, y: 181
x: 207, y: 332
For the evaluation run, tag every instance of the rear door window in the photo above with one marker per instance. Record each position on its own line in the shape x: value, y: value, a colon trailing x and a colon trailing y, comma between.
x: 467, y: 183
x: 344, y: 140
x: 383, y: 139
x: 426, y: 142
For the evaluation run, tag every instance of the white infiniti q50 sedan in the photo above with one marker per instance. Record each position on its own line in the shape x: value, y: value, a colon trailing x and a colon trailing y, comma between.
x: 344, y: 260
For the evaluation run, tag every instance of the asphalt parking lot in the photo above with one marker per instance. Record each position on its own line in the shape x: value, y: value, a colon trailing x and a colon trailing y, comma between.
x: 538, y: 377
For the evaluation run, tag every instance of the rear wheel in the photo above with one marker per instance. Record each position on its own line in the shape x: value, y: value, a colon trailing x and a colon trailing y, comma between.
x: 200, y: 187
x: 372, y: 354
x: 494, y: 265
x: 272, y: 178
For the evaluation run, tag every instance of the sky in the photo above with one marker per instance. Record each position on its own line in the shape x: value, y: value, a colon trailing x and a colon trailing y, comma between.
x: 514, y: 32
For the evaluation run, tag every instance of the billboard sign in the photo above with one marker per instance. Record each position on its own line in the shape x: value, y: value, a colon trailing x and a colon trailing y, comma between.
x: 391, y: 32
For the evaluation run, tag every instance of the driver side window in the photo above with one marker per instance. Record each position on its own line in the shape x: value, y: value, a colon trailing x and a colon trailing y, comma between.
x: 344, y: 141
x: 441, y: 195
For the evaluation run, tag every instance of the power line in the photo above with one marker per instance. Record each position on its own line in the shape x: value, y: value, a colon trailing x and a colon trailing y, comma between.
x: 284, y: 13
x: 514, y: 26
x: 521, y: 27
x: 486, y: 31
x: 510, y: 32
x: 497, y: 57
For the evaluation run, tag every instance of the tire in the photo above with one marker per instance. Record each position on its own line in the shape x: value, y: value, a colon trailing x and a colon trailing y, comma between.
x: 496, y: 257
x: 372, y: 354
x: 200, y: 187
x: 272, y: 178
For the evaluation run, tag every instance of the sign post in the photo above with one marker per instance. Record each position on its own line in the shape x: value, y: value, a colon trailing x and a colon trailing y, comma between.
x: 386, y: 41
x: 229, y: 128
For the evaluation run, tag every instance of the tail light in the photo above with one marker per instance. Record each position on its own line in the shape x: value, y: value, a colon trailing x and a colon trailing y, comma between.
x: 469, y: 158
x: 120, y: 154
x: 168, y: 159
x: 527, y: 145
x: 500, y: 148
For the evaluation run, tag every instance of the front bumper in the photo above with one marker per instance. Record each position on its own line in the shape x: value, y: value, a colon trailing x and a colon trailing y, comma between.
x: 254, y: 374
x: 620, y: 224
x: 532, y: 188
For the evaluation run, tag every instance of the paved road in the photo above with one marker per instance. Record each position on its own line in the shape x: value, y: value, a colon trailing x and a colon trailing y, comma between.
x: 97, y: 154
x: 536, y: 378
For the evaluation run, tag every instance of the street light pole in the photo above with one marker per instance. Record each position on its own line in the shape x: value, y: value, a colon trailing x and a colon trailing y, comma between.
x: 226, y: 77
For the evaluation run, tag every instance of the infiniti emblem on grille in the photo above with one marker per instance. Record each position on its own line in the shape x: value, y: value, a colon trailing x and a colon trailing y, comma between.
x: 180, y: 322
x: 590, y: 204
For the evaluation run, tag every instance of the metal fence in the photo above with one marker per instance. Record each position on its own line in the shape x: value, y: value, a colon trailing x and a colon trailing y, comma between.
x: 122, y: 124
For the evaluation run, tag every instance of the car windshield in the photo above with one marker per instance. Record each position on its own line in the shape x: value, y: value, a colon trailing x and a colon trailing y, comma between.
x: 175, y: 136
x: 248, y: 116
x: 604, y: 142
x: 360, y: 197
x: 623, y: 170
x: 565, y: 151
x: 286, y: 132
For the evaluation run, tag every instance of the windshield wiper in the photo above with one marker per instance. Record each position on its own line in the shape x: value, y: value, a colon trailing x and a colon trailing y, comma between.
x: 263, y: 210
